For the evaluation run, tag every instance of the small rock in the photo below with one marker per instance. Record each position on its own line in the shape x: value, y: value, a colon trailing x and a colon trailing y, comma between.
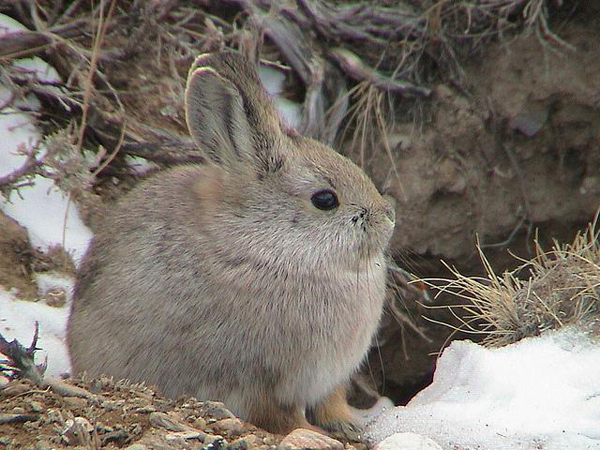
x: 77, y: 431
x: 136, y: 447
x: 214, y: 442
x: 55, y: 297
x: 407, y: 441
x: 145, y: 409
x: 112, y: 404
x: 239, y: 444
x: 199, y: 423
x: 66, y: 389
x: 18, y: 410
x: 303, y: 439
x: 230, y: 426
x: 76, y: 402
x: 36, y: 406
x: 170, y: 423
x: 270, y: 440
x: 14, y: 388
x: 16, y: 418
x: 531, y: 119
x: 43, y: 445
x: 183, y: 435
x: 246, y: 443
x: 216, y: 410
x: 5, y: 440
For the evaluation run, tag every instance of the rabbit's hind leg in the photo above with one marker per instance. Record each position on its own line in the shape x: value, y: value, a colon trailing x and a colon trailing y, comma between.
x: 333, y: 415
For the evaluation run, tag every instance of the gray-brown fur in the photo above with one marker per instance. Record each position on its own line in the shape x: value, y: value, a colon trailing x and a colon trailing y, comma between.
x: 223, y: 281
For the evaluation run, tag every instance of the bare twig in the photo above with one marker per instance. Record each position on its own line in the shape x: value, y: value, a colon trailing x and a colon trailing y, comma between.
x: 28, y: 167
x: 352, y: 65
x: 100, y: 33
x: 21, y: 360
x: 27, y: 43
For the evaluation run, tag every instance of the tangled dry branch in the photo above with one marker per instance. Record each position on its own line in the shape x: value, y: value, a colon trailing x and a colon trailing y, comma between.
x: 331, y: 47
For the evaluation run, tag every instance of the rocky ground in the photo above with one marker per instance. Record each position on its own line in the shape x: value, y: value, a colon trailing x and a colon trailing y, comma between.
x: 103, y: 413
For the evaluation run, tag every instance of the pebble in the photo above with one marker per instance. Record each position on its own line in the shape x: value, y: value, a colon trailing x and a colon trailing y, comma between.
x: 77, y: 431
x: 5, y: 440
x: 214, y: 442
x: 76, y: 402
x: 36, y: 406
x: 230, y: 426
x: 247, y: 442
x: 183, y: 435
x: 136, y: 447
x: 216, y: 410
x: 43, y: 445
x: 239, y: 444
x: 199, y: 423
x: 66, y: 389
x: 16, y: 418
x: 14, y: 388
x: 163, y: 420
x: 303, y: 439
x: 407, y: 441
x: 145, y: 409
x: 112, y: 404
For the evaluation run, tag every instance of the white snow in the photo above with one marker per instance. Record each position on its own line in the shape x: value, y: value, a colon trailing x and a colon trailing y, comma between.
x: 364, y: 416
x: 272, y: 80
x: 541, y: 392
x: 140, y: 166
x: 10, y: 25
x: 49, y: 216
x: 17, y: 321
x: 407, y: 441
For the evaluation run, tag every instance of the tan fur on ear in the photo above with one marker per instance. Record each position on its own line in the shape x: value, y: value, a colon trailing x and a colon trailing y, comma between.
x: 215, y: 116
x: 226, y: 105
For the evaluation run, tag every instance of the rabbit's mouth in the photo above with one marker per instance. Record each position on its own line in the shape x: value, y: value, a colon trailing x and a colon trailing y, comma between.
x: 374, y: 239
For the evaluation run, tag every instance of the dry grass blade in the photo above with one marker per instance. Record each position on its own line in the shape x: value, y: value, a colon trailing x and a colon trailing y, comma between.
x: 98, y: 39
x: 562, y: 288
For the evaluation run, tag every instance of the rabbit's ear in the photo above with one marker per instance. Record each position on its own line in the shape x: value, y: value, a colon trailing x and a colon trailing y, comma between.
x: 228, y: 113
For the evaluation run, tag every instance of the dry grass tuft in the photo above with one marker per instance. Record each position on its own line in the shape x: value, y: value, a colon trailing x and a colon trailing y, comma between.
x: 367, y: 123
x: 562, y: 288
x: 362, y: 61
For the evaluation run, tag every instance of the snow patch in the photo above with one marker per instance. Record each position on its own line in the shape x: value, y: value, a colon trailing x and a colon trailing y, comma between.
x: 272, y: 79
x: 50, y: 218
x: 541, y: 392
x: 407, y: 441
x: 17, y: 321
x: 49, y: 281
x: 139, y: 165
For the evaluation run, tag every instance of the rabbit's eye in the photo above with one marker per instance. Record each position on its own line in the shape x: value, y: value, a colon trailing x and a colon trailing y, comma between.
x: 325, y: 200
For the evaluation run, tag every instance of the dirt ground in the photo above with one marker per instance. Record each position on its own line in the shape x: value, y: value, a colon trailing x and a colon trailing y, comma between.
x: 122, y: 414
x: 512, y: 151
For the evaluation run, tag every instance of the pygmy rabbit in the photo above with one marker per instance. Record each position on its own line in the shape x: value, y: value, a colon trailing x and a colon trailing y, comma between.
x: 256, y: 279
